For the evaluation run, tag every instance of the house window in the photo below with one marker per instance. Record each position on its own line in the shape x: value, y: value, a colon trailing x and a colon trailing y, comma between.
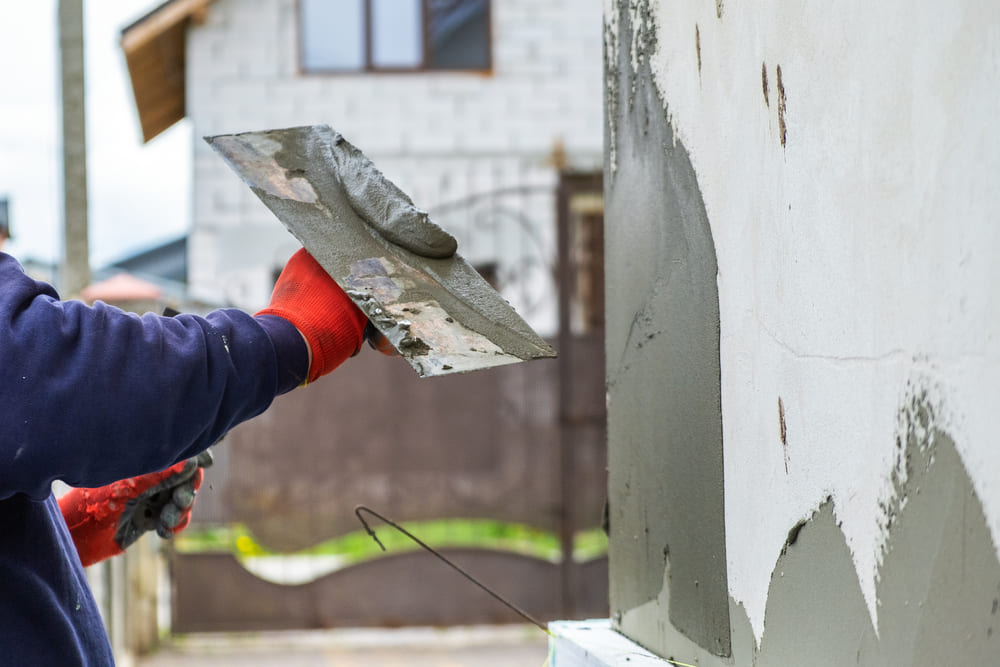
x: 394, y: 35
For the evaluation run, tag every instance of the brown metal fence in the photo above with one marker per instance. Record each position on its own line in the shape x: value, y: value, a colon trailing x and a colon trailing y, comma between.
x: 523, y: 443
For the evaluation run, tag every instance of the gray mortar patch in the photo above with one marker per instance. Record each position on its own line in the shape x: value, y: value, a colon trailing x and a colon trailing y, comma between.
x: 938, y: 587
x: 663, y: 368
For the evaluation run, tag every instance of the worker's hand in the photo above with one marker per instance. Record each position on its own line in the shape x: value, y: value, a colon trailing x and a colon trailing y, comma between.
x: 331, y: 323
x: 107, y: 520
x: 387, y: 208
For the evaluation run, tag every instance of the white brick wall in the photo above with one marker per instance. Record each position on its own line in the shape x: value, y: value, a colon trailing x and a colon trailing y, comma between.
x: 440, y: 136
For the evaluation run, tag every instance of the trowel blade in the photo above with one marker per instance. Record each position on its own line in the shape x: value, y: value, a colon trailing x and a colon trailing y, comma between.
x: 440, y: 314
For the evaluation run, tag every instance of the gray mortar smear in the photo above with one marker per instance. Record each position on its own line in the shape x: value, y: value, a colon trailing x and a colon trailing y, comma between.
x: 663, y: 370
x: 387, y: 208
x: 438, y: 313
x: 937, y: 589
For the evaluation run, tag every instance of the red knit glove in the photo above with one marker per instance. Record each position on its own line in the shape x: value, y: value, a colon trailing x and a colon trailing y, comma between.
x: 307, y: 296
x: 107, y: 520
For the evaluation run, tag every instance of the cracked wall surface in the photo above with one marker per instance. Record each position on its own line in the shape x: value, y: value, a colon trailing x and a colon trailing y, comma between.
x: 821, y: 182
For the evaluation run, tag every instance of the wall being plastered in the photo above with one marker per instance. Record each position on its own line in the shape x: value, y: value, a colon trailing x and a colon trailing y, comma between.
x: 839, y: 169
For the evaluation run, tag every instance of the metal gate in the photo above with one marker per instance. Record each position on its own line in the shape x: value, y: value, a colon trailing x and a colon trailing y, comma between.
x: 523, y: 444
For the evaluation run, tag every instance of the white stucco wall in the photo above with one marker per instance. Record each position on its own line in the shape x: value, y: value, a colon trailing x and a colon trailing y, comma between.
x: 441, y: 136
x: 856, y: 258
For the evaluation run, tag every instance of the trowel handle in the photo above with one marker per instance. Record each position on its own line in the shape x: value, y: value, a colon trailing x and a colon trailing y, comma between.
x: 378, y: 342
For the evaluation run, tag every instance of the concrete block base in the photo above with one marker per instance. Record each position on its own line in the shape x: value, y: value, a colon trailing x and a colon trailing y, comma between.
x: 594, y: 644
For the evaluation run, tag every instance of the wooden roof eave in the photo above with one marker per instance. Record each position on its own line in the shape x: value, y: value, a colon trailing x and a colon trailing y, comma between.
x: 155, y: 53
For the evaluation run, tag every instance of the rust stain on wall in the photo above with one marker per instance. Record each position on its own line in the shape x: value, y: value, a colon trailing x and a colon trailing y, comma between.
x: 697, y: 46
x: 763, y: 83
x: 783, y: 431
x: 782, y: 128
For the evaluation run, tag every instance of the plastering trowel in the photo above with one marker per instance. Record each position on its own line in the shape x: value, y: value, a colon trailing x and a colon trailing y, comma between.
x: 432, y: 306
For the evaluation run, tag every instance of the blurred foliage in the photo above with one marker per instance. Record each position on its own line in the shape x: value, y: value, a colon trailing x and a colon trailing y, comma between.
x: 359, y: 546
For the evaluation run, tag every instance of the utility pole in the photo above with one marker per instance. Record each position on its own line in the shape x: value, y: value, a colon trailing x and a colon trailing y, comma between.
x: 75, y: 274
x: 4, y: 222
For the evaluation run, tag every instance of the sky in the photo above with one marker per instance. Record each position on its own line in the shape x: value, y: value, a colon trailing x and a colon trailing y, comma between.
x: 138, y: 193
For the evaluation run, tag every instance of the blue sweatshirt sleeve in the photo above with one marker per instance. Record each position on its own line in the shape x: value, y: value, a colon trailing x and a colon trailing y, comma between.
x: 91, y: 395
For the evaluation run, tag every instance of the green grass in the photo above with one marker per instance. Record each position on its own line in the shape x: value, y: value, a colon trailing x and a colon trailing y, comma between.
x: 358, y: 546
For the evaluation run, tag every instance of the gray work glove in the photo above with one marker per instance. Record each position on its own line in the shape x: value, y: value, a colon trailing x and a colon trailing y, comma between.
x: 166, y: 507
x: 106, y: 520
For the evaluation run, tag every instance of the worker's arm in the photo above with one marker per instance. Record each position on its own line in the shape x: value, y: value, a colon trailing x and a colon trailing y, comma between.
x: 105, y: 521
x: 91, y: 395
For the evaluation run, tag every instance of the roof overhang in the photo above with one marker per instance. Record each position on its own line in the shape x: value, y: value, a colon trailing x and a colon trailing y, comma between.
x: 155, y: 50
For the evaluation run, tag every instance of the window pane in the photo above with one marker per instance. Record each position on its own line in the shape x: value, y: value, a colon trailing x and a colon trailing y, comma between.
x: 333, y: 33
x: 459, y: 34
x: 397, y: 33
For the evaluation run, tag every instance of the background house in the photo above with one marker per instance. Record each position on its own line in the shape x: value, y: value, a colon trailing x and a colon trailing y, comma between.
x: 478, y: 136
